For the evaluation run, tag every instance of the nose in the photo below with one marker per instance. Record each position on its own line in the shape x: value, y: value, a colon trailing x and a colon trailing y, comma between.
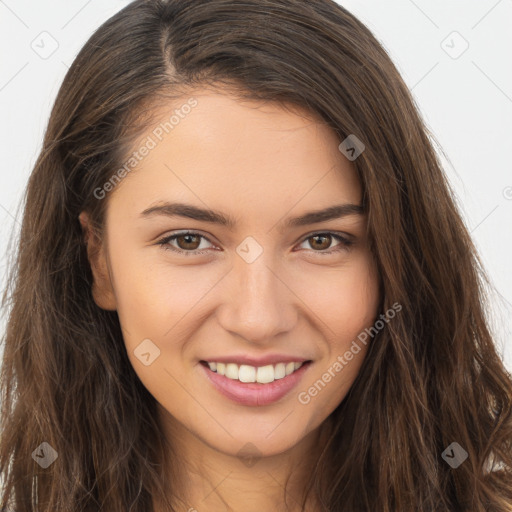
x: 259, y: 305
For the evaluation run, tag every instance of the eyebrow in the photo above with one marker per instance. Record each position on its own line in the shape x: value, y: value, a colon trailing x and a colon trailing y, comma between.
x: 207, y: 215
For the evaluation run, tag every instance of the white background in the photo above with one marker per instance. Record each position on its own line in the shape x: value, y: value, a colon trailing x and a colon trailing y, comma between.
x: 465, y: 99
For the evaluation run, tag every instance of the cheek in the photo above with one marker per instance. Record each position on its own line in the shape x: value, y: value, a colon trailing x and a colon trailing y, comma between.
x: 348, y: 306
x: 153, y: 296
x: 359, y: 298
x: 357, y: 309
x: 344, y: 300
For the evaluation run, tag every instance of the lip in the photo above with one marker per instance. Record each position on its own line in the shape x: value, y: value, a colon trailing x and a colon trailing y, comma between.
x: 253, y: 393
x: 256, y: 361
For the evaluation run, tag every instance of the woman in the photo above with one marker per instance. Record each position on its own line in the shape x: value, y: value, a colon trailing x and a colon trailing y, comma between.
x: 243, y: 283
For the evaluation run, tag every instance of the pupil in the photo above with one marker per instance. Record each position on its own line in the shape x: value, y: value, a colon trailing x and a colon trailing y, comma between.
x: 188, y: 240
x: 326, y: 237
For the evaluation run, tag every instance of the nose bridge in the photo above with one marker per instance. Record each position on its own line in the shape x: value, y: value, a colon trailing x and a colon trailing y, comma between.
x: 260, y: 306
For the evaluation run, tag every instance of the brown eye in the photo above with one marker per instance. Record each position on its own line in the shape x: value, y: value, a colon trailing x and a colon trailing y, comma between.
x: 187, y: 244
x: 190, y: 242
x: 320, y: 242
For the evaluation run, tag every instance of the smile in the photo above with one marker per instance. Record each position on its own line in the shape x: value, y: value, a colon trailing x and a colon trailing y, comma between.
x: 246, y: 373
x: 267, y: 384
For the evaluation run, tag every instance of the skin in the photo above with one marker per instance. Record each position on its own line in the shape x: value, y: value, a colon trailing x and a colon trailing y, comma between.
x: 259, y: 164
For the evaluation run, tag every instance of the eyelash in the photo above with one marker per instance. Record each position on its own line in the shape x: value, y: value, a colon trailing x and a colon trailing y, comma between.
x: 344, y: 244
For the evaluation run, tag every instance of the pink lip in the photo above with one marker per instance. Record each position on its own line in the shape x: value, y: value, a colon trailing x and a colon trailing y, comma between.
x: 254, y: 393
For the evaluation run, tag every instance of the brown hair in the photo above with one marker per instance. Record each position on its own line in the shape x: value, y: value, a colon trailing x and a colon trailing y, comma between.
x: 432, y: 376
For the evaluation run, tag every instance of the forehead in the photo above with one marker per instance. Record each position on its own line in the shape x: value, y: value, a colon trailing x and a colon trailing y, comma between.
x: 217, y: 149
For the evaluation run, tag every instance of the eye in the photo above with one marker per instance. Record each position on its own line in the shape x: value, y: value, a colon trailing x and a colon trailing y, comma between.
x: 321, y: 241
x: 188, y: 242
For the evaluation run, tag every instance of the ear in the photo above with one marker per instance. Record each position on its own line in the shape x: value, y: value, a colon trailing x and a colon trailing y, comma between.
x: 102, y: 289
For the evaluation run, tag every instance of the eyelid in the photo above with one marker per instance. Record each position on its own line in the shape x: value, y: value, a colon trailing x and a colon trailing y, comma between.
x: 346, y: 240
x: 342, y: 234
x: 164, y: 242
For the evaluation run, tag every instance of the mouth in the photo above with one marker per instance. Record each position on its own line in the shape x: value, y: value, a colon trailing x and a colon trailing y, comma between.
x: 252, y: 385
x: 247, y: 373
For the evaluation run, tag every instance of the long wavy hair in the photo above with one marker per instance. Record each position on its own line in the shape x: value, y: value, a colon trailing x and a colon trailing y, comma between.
x: 432, y: 376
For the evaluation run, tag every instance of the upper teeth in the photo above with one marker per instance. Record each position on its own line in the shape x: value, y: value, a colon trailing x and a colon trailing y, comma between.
x: 261, y: 374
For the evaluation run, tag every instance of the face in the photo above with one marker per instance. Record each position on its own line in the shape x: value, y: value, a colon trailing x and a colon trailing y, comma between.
x: 242, y: 274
